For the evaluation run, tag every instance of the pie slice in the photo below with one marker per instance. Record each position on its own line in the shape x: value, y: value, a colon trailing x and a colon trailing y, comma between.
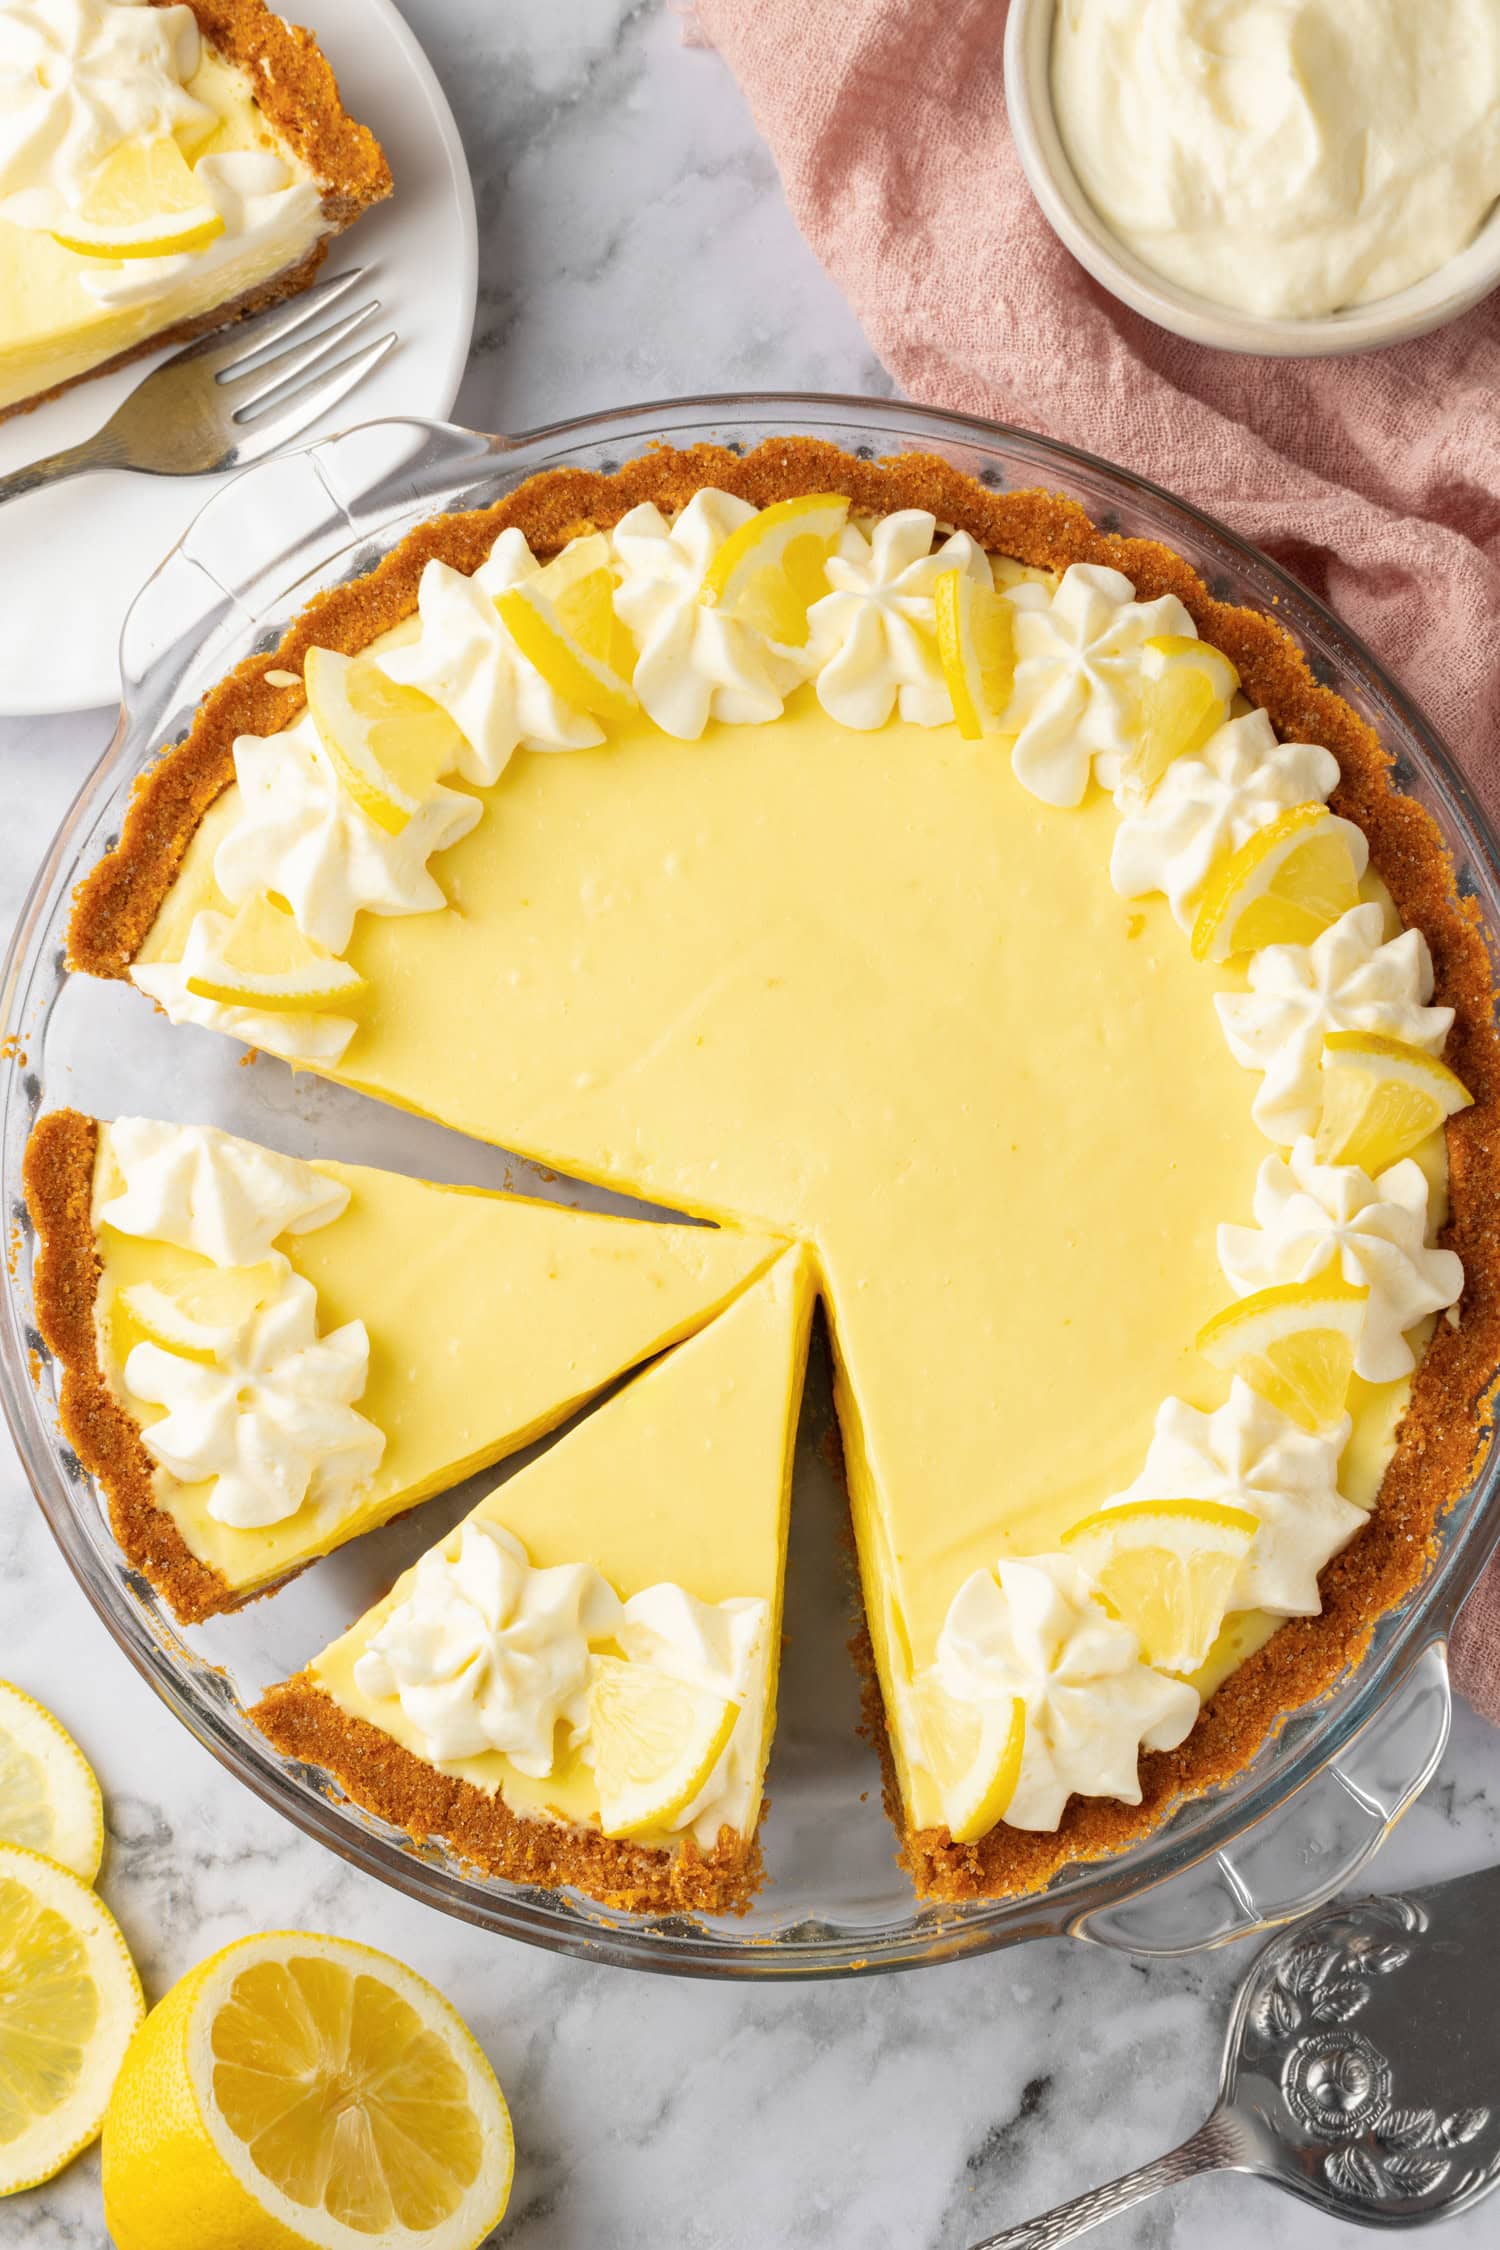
x: 578, y: 1685
x: 167, y: 168
x: 265, y: 1358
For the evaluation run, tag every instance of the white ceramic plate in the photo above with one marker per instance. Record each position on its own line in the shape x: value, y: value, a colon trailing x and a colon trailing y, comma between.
x: 73, y: 558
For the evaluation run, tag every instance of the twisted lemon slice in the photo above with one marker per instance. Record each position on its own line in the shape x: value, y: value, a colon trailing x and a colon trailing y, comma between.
x: 655, y: 1742
x: 388, y: 745
x: 973, y: 1752
x: 1294, y: 1344
x: 1381, y: 1099
x: 1185, y: 692
x: 977, y: 650
x: 770, y: 571
x: 143, y: 202
x: 266, y: 962
x: 1283, y: 887
x: 569, y: 668
x: 1167, y: 1569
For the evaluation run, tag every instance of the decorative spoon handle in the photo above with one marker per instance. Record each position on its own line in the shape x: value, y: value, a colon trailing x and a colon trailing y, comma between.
x: 1214, y: 2147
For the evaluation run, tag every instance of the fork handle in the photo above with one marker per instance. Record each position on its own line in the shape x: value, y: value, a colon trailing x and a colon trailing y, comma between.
x: 1214, y: 2147
x: 73, y: 461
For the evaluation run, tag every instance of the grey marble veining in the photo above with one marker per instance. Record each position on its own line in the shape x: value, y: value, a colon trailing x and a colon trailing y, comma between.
x: 634, y: 244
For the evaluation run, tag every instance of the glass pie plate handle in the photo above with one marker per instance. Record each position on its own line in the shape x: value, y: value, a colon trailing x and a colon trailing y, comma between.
x: 1312, y: 1844
x: 1282, y: 1834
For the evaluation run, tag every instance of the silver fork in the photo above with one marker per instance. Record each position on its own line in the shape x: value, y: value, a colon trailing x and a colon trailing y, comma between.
x: 221, y: 402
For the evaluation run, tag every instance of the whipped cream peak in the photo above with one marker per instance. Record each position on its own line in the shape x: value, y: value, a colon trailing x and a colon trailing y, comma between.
x: 264, y: 203
x: 300, y: 835
x: 1351, y: 978
x: 1036, y: 1630
x: 271, y: 1424
x: 1314, y: 1218
x: 1074, y: 702
x: 77, y: 78
x: 486, y: 1653
x: 873, y: 636
x: 1248, y: 1454
x: 694, y: 662
x: 466, y: 661
x: 722, y: 1647
x: 1208, y: 805
x: 209, y: 1192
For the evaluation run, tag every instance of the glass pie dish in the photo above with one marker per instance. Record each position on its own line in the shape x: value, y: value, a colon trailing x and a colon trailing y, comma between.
x: 1287, y: 1832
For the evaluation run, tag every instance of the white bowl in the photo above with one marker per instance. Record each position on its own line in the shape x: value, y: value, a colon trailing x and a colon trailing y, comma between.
x: 1456, y: 285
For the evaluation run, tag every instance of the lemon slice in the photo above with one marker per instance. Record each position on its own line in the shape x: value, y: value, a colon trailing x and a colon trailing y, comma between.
x: 1294, y: 1344
x: 1381, y: 1098
x: 1186, y: 687
x: 770, y: 571
x: 586, y: 681
x: 296, y: 2091
x: 973, y: 1752
x: 143, y: 202
x: 266, y: 962
x: 976, y: 649
x: 198, y: 1318
x: 1167, y: 1569
x: 654, y: 1742
x: 389, y: 745
x: 49, y: 1799
x: 580, y: 584
x: 69, y: 2001
x: 1292, y: 878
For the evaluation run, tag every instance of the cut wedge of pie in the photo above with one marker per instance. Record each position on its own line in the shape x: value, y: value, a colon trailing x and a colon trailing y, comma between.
x: 691, y: 829
x: 266, y: 1358
x: 638, y: 1566
x: 166, y: 168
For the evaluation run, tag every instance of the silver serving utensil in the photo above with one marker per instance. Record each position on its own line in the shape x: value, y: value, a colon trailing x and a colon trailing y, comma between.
x: 218, y: 403
x: 1361, y: 2070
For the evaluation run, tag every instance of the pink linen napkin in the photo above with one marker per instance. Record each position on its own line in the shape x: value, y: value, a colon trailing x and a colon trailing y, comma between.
x: 1375, y: 479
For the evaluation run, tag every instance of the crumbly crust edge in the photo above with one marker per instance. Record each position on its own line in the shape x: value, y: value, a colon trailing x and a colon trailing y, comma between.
x: 303, y: 1721
x: 1450, y: 1416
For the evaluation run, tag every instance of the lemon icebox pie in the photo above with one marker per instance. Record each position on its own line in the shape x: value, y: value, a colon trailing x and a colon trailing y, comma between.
x: 164, y: 169
x: 984, y: 929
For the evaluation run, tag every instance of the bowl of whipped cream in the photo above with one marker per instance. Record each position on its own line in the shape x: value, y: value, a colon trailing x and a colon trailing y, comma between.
x: 1288, y: 177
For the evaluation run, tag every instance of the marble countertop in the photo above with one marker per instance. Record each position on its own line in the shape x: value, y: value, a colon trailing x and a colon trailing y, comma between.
x: 634, y: 244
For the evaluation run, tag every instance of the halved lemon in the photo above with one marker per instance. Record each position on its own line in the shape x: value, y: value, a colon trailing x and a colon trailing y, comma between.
x: 654, y: 1741
x: 142, y: 202
x: 1293, y: 877
x: 973, y: 1752
x: 586, y: 681
x: 1186, y: 687
x: 49, y: 1799
x: 771, y: 569
x: 1381, y: 1098
x: 1294, y: 1344
x: 389, y: 745
x: 69, y: 2001
x: 305, y: 2093
x: 1167, y: 1569
x: 976, y: 649
x: 266, y: 962
x: 580, y: 584
x: 199, y: 1317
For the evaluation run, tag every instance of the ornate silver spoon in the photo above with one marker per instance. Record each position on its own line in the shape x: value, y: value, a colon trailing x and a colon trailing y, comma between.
x: 1361, y: 2070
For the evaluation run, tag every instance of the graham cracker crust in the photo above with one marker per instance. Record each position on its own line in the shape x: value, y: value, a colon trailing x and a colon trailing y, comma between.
x: 303, y: 1721
x: 297, y: 93
x: 1449, y: 1420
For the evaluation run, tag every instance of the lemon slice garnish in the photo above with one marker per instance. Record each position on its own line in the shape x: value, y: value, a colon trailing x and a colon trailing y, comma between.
x: 69, y: 2001
x: 1186, y: 687
x: 49, y: 1799
x: 265, y: 962
x: 305, y: 2093
x: 1167, y: 1569
x: 774, y: 566
x: 1283, y: 887
x: 654, y: 1741
x: 582, y: 679
x: 198, y: 1318
x: 143, y: 202
x: 976, y: 649
x: 1294, y: 1344
x: 389, y: 745
x: 580, y: 585
x: 1381, y: 1099
x: 973, y: 1752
